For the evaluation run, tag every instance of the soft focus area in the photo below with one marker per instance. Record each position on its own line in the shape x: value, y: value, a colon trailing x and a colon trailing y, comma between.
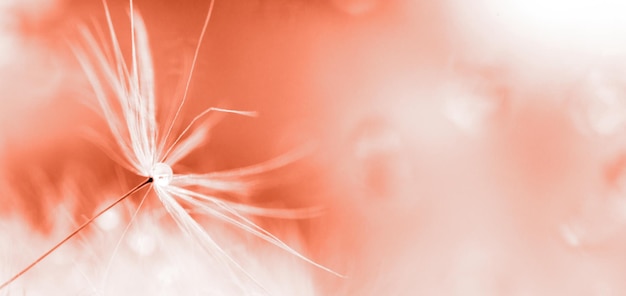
x: 453, y: 147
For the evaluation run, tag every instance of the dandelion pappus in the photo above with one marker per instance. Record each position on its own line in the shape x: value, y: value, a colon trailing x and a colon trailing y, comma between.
x: 148, y: 151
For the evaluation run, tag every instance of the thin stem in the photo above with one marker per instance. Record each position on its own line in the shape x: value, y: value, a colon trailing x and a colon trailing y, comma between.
x: 81, y: 227
x: 119, y: 242
x: 193, y: 67
x: 205, y: 112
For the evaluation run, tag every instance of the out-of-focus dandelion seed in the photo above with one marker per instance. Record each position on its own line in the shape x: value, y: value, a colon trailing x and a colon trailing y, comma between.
x: 150, y: 148
x: 600, y: 108
x: 142, y: 243
x: 109, y: 220
x: 597, y: 222
x: 470, y: 110
x: 379, y: 151
x: 600, y: 218
x: 376, y: 138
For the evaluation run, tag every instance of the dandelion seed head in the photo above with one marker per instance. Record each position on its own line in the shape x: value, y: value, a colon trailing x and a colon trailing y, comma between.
x: 162, y: 174
x: 150, y: 151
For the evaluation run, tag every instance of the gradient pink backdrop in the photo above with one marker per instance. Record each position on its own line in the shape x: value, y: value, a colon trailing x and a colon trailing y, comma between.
x: 462, y: 149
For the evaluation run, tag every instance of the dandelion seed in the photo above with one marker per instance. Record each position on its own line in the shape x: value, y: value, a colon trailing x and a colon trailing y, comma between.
x: 600, y: 218
x: 600, y: 108
x: 473, y: 111
x: 148, y: 150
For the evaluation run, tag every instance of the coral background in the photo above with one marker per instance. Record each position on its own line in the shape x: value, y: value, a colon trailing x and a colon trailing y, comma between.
x: 461, y: 149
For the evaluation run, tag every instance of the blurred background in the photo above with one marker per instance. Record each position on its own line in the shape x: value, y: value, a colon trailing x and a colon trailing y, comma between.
x: 460, y: 149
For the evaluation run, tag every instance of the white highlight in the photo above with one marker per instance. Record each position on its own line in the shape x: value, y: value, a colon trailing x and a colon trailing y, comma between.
x: 142, y: 244
x: 470, y: 111
x: 109, y: 220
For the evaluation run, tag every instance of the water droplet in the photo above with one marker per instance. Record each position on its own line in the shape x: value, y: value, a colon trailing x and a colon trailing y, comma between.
x: 162, y: 174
